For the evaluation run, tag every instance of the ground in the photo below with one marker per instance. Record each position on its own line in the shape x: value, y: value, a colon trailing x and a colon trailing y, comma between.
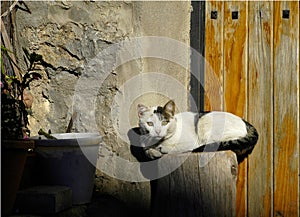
x: 101, y: 205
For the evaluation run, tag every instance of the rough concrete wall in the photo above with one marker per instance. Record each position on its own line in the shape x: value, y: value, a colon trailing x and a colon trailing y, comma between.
x: 70, y: 36
x: 171, y: 20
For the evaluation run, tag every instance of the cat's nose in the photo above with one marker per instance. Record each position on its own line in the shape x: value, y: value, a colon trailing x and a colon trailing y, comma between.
x: 157, y: 131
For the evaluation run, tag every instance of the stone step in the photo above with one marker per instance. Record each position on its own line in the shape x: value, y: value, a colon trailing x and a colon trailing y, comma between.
x: 43, y: 200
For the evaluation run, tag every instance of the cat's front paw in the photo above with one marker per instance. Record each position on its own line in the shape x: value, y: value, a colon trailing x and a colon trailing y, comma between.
x: 153, y: 153
x: 167, y: 149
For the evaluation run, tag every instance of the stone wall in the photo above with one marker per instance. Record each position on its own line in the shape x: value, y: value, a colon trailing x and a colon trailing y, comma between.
x: 95, y: 68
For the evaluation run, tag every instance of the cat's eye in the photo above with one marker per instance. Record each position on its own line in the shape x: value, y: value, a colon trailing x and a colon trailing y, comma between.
x: 150, y: 123
x: 164, y: 123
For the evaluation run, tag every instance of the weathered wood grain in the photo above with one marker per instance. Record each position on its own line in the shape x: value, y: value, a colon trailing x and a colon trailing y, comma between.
x: 204, y: 185
x: 286, y: 109
x: 235, y: 54
x: 266, y: 93
x: 235, y: 83
x: 260, y: 110
x: 214, y: 16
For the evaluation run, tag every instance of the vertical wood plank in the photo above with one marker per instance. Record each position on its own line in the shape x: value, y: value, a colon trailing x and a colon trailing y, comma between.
x: 235, y: 55
x: 260, y: 110
x: 235, y: 73
x: 286, y: 109
x: 214, y: 17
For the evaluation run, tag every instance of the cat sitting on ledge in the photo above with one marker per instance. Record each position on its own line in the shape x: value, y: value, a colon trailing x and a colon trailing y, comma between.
x: 164, y: 132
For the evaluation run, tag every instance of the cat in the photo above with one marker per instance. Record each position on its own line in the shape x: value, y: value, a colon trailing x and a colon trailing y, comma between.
x: 164, y: 132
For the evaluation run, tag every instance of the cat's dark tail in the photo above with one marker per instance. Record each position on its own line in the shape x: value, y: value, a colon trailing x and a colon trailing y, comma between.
x: 242, y: 146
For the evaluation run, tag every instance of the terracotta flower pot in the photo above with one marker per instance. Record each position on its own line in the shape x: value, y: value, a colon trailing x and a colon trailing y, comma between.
x: 13, y: 158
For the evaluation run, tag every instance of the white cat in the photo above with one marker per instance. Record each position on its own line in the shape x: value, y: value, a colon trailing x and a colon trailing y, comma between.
x: 164, y: 132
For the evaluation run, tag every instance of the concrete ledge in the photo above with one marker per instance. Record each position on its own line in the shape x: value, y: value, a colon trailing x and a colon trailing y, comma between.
x: 43, y: 199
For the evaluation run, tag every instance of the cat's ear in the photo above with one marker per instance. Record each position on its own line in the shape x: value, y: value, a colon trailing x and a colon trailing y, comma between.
x: 142, y: 109
x: 169, y: 108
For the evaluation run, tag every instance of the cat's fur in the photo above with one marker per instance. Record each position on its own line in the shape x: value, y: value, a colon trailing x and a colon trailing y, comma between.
x: 164, y: 132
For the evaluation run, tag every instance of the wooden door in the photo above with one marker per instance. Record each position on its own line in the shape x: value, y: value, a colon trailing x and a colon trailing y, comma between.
x: 252, y: 70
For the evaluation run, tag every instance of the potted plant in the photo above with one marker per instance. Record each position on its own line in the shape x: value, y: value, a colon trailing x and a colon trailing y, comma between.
x: 16, y: 102
x: 63, y: 159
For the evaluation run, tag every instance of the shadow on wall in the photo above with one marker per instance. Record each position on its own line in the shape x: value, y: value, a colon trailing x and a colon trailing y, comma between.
x: 149, y: 170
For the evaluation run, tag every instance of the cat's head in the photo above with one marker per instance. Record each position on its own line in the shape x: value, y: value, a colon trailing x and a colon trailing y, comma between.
x: 159, y: 122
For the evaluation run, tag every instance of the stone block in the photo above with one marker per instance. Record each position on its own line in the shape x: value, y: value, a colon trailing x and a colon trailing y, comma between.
x: 43, y: 199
